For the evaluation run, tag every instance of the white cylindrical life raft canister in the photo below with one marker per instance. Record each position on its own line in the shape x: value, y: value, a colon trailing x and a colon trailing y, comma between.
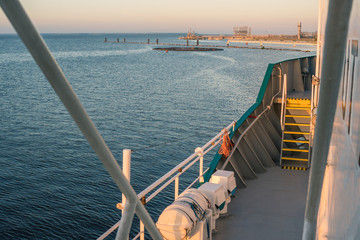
x: 178, y: 219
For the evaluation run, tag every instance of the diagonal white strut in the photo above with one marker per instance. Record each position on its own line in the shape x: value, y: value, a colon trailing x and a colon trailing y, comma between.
x: 41, y: 54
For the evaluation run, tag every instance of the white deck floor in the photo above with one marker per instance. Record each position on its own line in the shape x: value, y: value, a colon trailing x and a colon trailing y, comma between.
x: 271, y: 207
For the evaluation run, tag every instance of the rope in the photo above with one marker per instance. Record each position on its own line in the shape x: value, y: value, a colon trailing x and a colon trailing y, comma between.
x: 197, y: 209
x: 226, y: 145
x: 199, y: 212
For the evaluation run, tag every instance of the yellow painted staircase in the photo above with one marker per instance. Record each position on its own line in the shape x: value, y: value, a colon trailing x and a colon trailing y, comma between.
x: 295, y: 143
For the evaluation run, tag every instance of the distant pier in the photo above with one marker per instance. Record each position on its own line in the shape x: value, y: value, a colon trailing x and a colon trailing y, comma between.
x: 246, y: 46
x: 182, y: 49
x: 261, y: 42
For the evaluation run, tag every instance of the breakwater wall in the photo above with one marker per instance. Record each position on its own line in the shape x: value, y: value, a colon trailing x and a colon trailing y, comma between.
x: 187, y: 44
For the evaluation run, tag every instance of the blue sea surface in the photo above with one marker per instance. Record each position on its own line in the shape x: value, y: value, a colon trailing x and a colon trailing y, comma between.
x: 161, y: 105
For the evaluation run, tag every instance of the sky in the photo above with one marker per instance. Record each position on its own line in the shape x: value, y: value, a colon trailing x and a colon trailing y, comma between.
x: 168, y: 16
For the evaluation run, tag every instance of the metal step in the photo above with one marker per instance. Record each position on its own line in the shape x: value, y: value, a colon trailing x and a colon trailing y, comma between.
x: 298, y: 124
x: 298, y: 100
x: 296, y: 141
x: 295, y: 150
x: 307, y: 108
x: 298, y: 116
x: 292, y: 132
x: 294, y: 168
x: 295, y: 159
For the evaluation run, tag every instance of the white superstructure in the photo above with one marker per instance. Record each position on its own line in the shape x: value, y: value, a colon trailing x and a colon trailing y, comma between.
x: 339, y: 210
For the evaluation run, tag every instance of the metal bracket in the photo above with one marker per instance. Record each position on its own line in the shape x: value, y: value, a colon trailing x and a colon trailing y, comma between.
x: 315, y: 80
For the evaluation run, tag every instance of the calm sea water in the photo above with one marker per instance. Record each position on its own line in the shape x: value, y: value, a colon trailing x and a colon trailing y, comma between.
x: 161, y: 105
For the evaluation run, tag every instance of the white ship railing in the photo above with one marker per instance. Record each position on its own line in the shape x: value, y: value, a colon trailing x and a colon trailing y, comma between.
x: 174, y: 176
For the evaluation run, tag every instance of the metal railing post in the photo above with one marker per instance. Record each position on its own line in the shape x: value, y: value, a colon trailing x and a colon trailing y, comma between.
x: 201, y: 163
x: 142, y: 231
x: 128, y: 208
x: 176, y: 187
x: 283, y: 102
x: 126, y: 171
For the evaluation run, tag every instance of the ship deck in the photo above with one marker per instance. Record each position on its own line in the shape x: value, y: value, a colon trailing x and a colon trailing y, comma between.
x: 271, y: 207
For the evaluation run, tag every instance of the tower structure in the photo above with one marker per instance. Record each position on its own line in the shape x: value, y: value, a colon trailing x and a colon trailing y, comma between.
x: 299, y: 30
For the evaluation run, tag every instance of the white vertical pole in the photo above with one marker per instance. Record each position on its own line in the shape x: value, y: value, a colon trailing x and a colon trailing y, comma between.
x: 283, y: 101
x: 126, y: 214
x: 142, y: 231
x: 201, y: 167
x: 126, y: 171
x: 176, y: 187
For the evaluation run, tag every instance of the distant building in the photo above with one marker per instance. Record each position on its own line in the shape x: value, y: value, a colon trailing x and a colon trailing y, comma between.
x: 242, y: 31
x: 305, y: 34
